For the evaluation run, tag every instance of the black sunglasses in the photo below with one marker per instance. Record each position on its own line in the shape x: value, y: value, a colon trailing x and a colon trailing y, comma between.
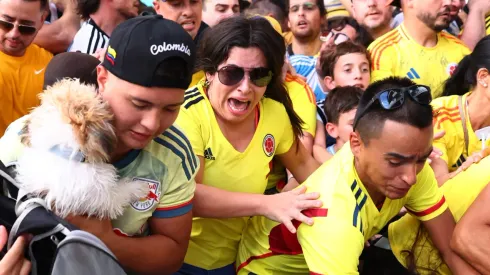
x: 394, y: 98
x: 339, y: 24
x: 23, y: 29
x: 231, y: 75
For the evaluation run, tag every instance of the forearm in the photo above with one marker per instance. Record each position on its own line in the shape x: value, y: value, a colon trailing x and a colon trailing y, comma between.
x: 473, y: 246
x: 305, y: 169
x: 156, y: 254
x: 320, y: 154
x: 212, y: 202
x: 57, y: 37
x: 474, y: 28
x: 457, y: 265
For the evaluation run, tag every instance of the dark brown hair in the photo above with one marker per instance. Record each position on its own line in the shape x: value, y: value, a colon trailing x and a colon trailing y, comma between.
x: 246, y: 33
x: 330, y: 56
x: 341, y: 100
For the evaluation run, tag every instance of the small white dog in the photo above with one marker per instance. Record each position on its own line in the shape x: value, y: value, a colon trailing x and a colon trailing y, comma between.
x: 68, y: 140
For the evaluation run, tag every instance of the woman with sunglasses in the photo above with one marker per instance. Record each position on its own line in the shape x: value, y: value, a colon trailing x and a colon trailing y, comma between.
x: 463, y: 114
x: 237, y: 119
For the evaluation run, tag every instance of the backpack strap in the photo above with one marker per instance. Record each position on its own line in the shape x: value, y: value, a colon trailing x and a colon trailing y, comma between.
x: 462, y: 114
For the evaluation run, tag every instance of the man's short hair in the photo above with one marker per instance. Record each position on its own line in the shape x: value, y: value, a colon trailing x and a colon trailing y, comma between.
x: 341, y: 100
x: 329, y: 57
x: 266, y: 7
x: 87, y: 7
x: 319, y: 3
x: 412, y: 113
x: 44, y: 3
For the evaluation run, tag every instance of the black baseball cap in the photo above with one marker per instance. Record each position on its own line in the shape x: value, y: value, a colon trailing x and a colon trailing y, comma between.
x: 138, y: 46
x: 71, y: 65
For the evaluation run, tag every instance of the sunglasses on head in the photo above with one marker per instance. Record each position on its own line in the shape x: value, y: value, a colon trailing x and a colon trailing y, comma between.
x: 394, y: 98
x: 339, y: 24
x: 231, y: 75
x: 306, y: 6
x: 23, y: 29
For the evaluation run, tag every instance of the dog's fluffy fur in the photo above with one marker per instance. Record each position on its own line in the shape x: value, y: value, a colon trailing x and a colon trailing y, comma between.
x: 73, y: 117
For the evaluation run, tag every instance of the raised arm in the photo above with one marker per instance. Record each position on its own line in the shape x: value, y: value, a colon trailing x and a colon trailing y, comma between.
x: 471, y: 238
x: 440, y: 230
x: 57, y: 36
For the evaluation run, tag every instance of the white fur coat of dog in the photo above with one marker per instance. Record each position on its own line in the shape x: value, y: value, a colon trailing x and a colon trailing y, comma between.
x: 69, y: 139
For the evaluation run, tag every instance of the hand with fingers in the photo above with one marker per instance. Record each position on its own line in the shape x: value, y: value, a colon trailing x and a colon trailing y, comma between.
x: 14, y: 263
x: 474, y: 158
x: 99, y: 54
x: 436, y: 153
x: 287, y: 206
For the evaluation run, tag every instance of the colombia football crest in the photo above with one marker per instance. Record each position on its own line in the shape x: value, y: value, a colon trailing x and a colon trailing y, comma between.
x: 269, y: 145
x: 151, y: 199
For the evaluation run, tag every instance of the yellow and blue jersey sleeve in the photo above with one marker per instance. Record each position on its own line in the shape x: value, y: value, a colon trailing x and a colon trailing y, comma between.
x: 177, y: 198
x: 425, y: 199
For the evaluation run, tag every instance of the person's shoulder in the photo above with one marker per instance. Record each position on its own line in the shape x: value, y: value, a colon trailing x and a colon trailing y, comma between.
x: 194, y: 98
x: 454, y: 43
x: 174, y: 150
x: 446, y: 112
x: 334, y: 174
x: 386, y: 41
x: 40, y: 53
x: 444, y: 104
x: 297, y: 87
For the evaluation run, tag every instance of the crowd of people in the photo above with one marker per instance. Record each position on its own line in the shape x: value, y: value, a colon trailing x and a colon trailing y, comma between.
x: 276, y: 136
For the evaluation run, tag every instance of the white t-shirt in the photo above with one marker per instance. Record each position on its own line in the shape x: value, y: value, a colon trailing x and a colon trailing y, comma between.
x: 89, y: 38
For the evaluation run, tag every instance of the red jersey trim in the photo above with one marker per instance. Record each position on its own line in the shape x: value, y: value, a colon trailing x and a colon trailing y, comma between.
x: 430, y: 210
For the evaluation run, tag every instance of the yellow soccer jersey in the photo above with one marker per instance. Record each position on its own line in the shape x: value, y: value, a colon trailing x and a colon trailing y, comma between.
x: 214, y: 242
x: 21, y: 79
x: 447, y: 117
x: 460, y: 192
x: 346, y: 220
x: 304, y: 105
x: 167, y: 164
x: 397, y: 54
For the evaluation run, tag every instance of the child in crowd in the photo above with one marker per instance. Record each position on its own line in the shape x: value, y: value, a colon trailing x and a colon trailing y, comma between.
x: 340, y: 108
x: 346, y: 64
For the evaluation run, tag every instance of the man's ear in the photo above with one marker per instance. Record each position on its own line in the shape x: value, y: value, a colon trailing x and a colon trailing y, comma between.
x: 356, y: 143
x: 102, y: 76
x: 329, y: 83
x: 332, y: 130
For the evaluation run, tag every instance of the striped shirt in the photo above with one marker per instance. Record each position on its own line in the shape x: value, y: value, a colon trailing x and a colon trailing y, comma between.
x: 89, y: 38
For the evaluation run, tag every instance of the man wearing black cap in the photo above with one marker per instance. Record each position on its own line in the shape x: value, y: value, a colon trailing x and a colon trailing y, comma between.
x: 145, y: 71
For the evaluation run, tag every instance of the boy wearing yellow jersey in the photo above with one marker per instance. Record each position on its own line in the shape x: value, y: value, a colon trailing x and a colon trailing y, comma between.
x: 418, y: 49
x: 362, y: 188
x: 410, y: 242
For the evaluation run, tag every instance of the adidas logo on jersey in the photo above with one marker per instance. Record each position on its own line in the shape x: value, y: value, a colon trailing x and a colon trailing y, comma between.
x: 412, y: 74
x: 208, y: 154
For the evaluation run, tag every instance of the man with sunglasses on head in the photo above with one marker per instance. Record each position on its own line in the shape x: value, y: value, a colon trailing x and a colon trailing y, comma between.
x: 419, y: 48
x: 383, y: 169
x: 22, y: 63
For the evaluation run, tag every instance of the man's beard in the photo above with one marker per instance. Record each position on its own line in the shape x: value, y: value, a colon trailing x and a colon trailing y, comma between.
x: 307, y: 36
x: 431, y: 21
